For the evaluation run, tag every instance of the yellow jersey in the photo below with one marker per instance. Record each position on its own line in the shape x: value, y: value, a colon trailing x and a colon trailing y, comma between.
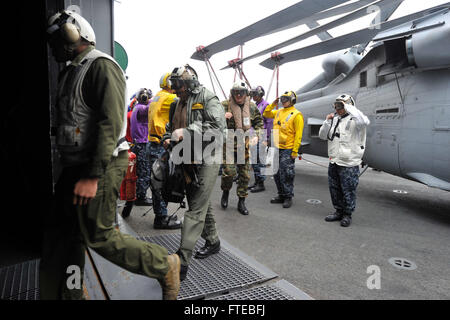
x: 287, y: 127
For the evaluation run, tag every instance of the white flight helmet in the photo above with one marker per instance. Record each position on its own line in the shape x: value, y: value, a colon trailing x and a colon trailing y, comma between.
x: 239, y: 86
x: 345, y: 98
x: 71, y: 26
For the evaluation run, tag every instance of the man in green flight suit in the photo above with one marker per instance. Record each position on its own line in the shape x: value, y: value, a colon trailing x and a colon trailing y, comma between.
x: 90, y: 137
x: 241, y: 115
x: 196, y: 118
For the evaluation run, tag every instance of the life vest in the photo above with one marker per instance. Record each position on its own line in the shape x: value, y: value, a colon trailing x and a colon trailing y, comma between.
x: 76, y: 120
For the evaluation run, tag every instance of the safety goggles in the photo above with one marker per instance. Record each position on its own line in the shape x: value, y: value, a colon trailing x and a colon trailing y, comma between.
x: 240, y: 92
x: 284, y: 99
x: 176, y: 83
x: 338, y: 105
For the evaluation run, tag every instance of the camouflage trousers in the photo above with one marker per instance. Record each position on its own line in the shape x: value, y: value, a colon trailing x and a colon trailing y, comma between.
x: 284, y: 178
x: 159, y: 205
x: 142, y: 169
x: 342, y: 182
x: 230, y: 169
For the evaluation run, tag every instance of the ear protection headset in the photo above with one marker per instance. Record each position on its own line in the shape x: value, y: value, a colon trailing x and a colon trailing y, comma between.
x: 67, y: 29
x: 164, y: 81
x: 292, y: 97
x: 71, y: 27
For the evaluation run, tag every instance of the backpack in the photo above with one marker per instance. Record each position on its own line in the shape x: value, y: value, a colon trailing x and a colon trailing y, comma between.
x: 168, y: 179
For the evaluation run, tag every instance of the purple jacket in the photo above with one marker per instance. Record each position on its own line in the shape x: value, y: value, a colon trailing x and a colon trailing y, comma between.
x: 139, y: 123
x: 268, y: 123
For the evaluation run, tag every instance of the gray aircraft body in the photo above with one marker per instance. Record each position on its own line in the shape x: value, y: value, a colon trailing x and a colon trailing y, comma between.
x: 402, y: 83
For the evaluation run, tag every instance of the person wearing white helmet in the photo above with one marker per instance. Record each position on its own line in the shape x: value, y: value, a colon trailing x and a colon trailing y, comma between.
x: 90, y: 138
x: 196, y: 115
x: 345, y: 131
x: 241, y: 115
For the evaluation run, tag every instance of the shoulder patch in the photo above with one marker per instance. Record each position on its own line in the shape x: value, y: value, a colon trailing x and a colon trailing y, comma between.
x: 197, y: 106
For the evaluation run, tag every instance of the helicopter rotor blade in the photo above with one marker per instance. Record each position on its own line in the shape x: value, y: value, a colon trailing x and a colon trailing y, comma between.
x: 345, y: 41
x: 286, y: 18
x: 335, y: 23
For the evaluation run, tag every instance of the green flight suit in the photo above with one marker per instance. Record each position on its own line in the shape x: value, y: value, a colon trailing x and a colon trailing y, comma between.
x: 230, y: 169
x: 70, y: 229
x: 204, y: 113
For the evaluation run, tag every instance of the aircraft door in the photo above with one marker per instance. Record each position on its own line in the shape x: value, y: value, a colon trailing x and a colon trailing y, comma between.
x: 384, y: 108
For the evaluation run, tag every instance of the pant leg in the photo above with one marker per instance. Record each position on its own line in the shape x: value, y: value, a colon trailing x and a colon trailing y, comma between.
x: 259, y: 177
x: 334, y: 184
x: 159, y: 205
x: 243, y: 171
x: 97, y: 228
x: 62, y: 244
x: 199, y: 219
x: 287, y: 173
x: 277, y: 176
x: 142, y: 170
x: 349, y: 179
x: 228, y: 173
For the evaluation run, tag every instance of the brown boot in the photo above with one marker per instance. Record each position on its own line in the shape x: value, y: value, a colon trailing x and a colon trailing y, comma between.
x: 171, y: 283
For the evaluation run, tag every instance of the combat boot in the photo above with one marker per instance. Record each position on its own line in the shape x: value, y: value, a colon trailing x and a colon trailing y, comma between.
x: 170, y: 284
x: 287, y: 203
x: 224, y: 200
x: 277, y: 199
x: 336, y: 216
x: 165, y: 222
x: 346, y: 220
x: 241, y: 206
x: 143, y: 202
x: 207, y: 250
x: 183, y: 272
x: 258, y: 187
x: 127, y: 209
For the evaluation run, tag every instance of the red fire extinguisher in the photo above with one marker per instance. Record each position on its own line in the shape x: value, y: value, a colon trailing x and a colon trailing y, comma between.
x: 128, y: 187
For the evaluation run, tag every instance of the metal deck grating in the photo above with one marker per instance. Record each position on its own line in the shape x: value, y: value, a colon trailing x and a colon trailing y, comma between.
x: 218, y: 274
x: 268, y: 292
x: 20, y: 281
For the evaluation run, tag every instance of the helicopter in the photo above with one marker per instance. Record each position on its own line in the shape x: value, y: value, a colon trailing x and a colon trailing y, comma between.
x: 402, y: 82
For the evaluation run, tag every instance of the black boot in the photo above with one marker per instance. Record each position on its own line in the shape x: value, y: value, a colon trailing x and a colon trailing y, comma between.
x: 241, y: 207
x: 287, y: 203
x: 336, y: 216
x: 127, y: 209
x: 224, y: 200
x: 258, y: 187
x: 207, y: 250
x: 143, y: 202
x: 183, y: 272
x: 346, y: 220
x: 165, y: 222
x: 277, y: 199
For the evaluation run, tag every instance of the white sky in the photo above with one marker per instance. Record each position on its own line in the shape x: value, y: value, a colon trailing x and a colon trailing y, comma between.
x: 160, y: 35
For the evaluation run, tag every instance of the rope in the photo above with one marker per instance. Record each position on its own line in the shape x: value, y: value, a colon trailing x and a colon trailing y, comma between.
x: 210, y: 68
x: 276, y: 71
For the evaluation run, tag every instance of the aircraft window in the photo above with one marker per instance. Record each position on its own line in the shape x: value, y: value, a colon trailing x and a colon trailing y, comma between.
x: 392, y: 110
x: 363, y: 79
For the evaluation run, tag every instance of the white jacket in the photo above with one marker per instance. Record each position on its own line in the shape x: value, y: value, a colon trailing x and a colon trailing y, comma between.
x: 347, y: 146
